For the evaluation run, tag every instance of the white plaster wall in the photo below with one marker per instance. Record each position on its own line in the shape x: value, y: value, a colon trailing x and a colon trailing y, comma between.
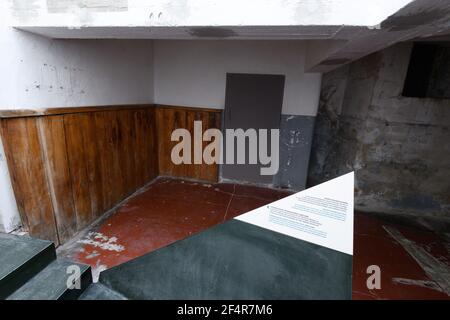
x: 193, y: 73
x: 9, y: 214
x: 45, y: 73
x: 40, y: 73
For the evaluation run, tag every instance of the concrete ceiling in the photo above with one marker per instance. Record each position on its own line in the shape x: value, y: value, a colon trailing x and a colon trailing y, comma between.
x: 179, y: 13
x: 198, y: 32
x: 407, y: 20
x: 420, y: 19
x: 443, y: 36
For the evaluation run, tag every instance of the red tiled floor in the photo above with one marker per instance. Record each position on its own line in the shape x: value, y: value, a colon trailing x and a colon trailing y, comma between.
x: 170, y: 210
x: 167, y: 211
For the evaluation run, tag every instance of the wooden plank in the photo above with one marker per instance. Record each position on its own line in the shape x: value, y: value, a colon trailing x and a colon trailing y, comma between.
x: 179, y: 123
x: 134, y: 171
x: 185, y: 108
x: 148, y: 146
x: 192, y: 170
x: 165, y: 119
x: 105, y: 160
x: 92, y: 154
x: 125, y: 151
x: 202, y: 171
x: 115, y: 137
x: 153, y: 151
x: 56, y: 163
x: 139, y: 142
x: 145, y: 129
x: 25, y: 162
x: 169, y: 119
x: 21, y: 113
x: 159, y: 115
x: 210, y: 121
x: 77, y: 153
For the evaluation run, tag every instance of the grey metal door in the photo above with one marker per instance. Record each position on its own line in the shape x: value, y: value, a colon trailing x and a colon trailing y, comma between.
x: 251, y: 101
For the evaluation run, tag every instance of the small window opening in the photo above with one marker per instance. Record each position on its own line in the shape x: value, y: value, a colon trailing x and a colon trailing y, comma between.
x: 428, y: 73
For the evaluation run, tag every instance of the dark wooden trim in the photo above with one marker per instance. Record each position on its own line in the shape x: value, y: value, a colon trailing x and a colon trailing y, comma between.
x: 170, y: 118
x: 188, y: 108
x: 21, y: 113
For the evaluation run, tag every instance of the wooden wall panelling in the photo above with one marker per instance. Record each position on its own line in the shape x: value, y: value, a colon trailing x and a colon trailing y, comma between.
x: 171, y: 118
x: 25, y: 161
x: 192, y: 170
x: 164, y: 137
x: 77, y: 154
x: 210, y: 120
x: 68, y: 169
x: 154, y: 147
x: 107, y: 134
x: 56, y: 162
x: 140, y: 154
x: 134, y: 172
x: 111, y: 155
x: 151, y: 153
x: 195, y: 170
x: 92, y: 153
x: 216, y: 122
x: 115, y: 136
x: 164, y: 121
x: 93, y: 161
x: 126, y: 152
x: 104, y: 160
x: 181, y: 170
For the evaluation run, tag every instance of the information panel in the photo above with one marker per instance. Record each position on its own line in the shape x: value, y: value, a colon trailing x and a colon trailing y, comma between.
x: 321, y: 215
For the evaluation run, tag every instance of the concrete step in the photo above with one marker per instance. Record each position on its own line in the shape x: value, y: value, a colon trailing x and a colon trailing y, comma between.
x: 21, y: 258
x: 97, y: 291
x: 51, y: 283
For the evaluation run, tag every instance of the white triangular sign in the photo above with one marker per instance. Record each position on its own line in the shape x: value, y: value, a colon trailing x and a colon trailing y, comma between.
x: 321, y: 215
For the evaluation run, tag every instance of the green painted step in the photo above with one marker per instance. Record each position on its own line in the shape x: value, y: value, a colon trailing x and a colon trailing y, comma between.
x: 97, y: 291
x: 21, y: 258
x: 51, y: 283
x: 235, y: 260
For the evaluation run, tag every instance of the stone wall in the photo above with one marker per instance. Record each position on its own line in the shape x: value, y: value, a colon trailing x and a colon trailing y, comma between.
x: 398, y: 147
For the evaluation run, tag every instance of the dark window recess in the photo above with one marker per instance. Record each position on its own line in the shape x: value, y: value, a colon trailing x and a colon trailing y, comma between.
x: 428, y: 72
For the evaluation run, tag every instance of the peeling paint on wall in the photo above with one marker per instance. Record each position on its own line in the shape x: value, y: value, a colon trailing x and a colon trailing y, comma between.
x: 295, y: 146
